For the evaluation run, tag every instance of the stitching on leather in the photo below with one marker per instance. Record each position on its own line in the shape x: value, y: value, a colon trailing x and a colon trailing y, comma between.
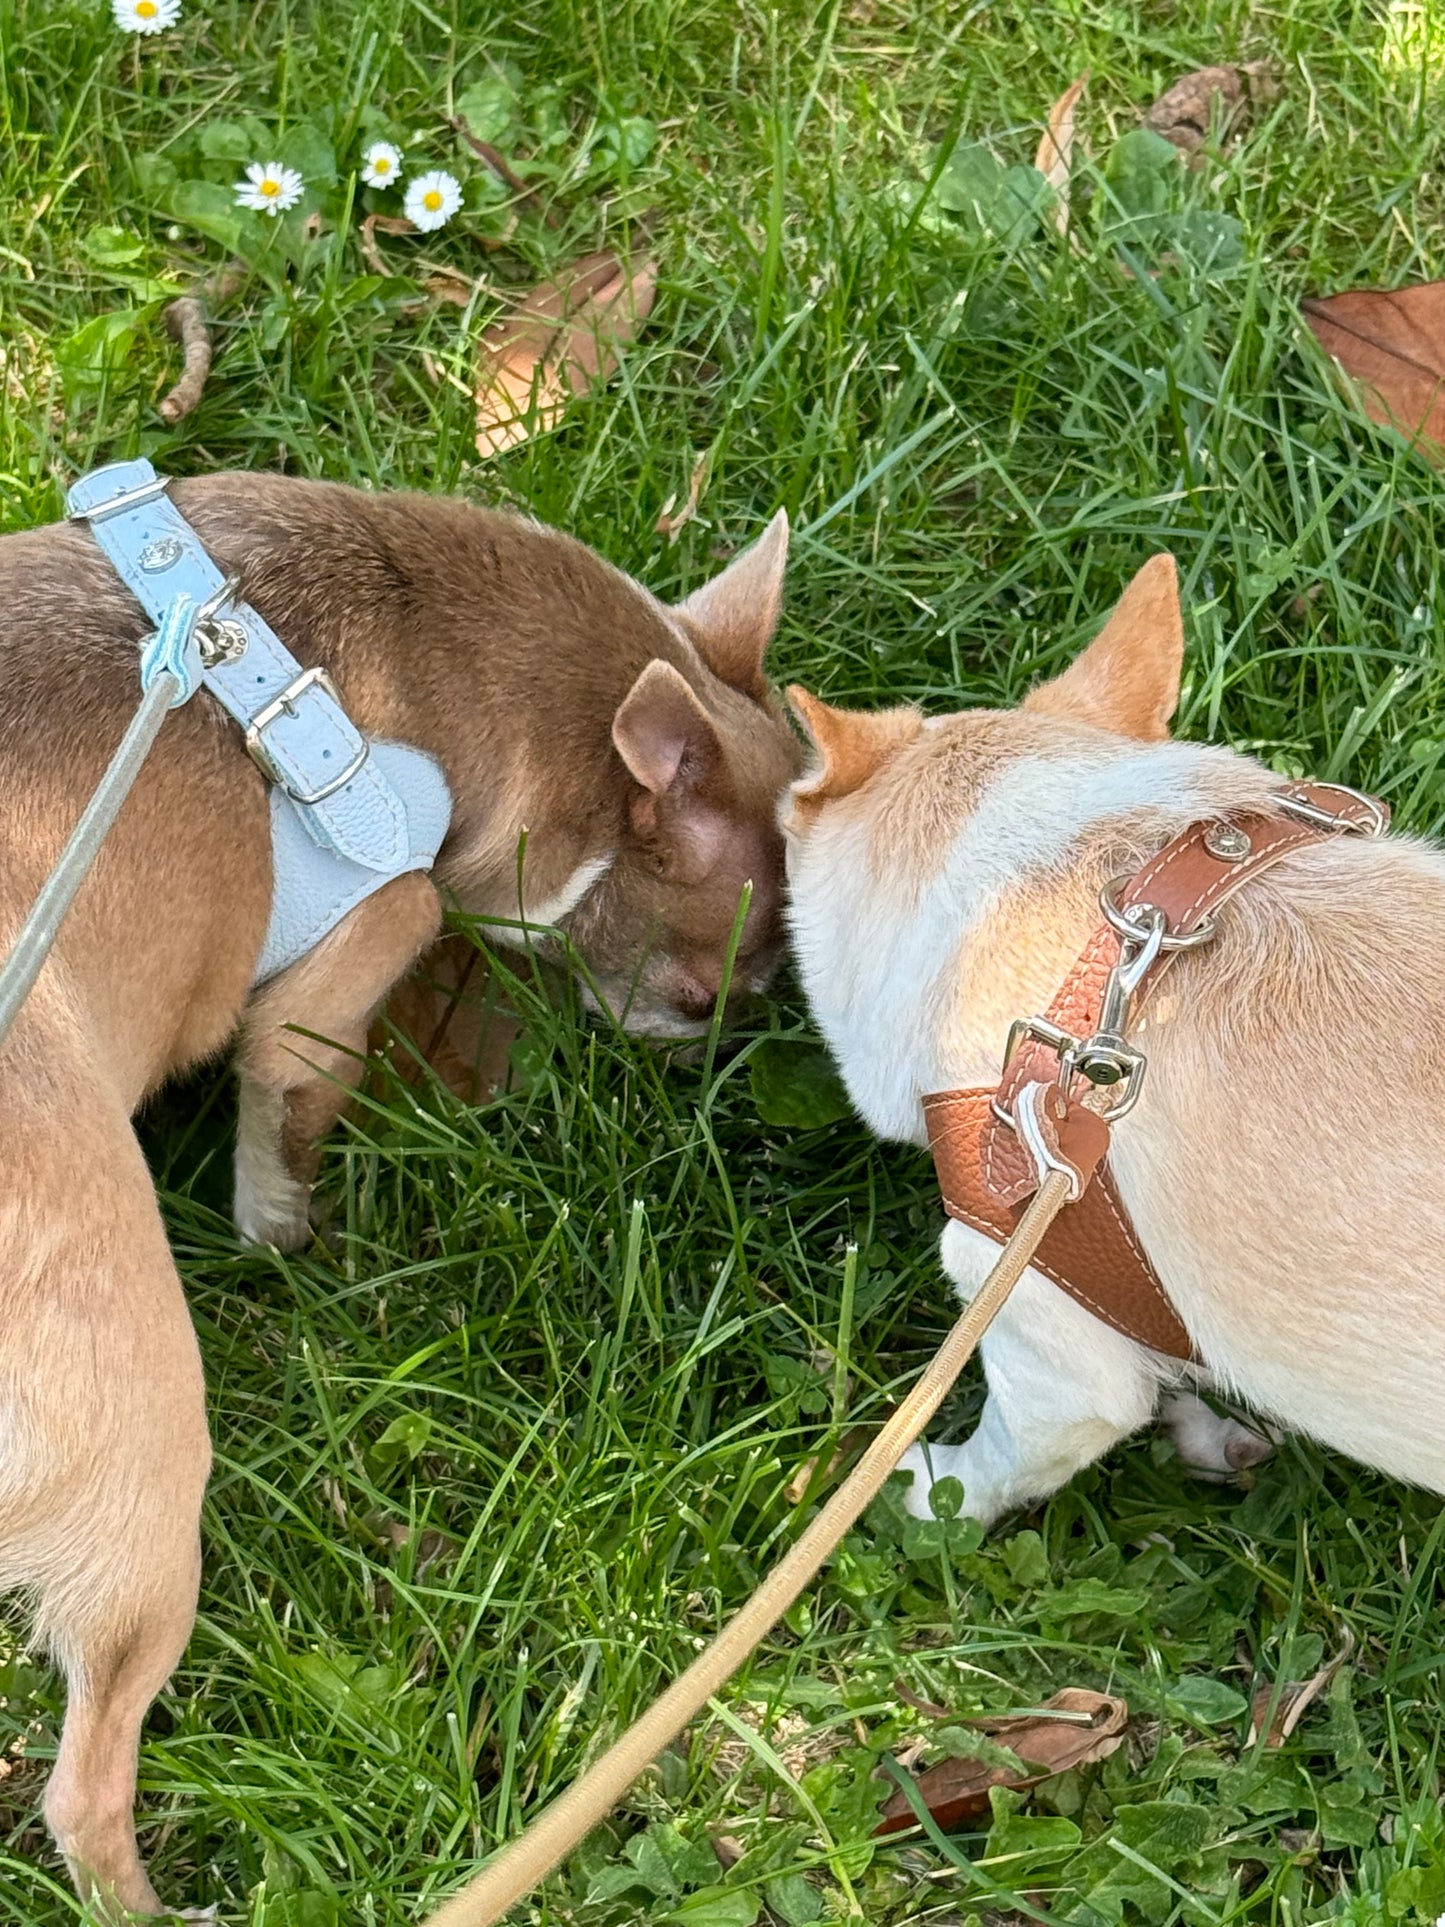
x: 1039, y: 1263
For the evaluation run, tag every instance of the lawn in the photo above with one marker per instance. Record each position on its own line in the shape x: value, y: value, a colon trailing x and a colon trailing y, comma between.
x: 490, y: 1469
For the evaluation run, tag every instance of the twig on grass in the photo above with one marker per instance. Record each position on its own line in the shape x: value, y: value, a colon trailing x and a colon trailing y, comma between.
x: 503, y: 170
x: 188, y: 322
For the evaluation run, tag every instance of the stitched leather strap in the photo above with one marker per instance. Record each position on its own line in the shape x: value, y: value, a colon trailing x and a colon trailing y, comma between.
x: 310, y: 742
x: 986, y: 1173
x: 347, y: 814
x: 1090, y: 1249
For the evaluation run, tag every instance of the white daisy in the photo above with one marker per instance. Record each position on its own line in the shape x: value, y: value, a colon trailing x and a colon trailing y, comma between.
x: 380, y: 164
x: 432, y: 200
x: 145, y: 16
x: 271, y: 188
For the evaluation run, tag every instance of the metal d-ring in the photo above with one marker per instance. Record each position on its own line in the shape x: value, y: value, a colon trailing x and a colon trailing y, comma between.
x: 1136, y: 921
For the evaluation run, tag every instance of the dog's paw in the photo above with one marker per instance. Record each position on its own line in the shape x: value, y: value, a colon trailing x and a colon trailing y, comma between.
x: 275, y: 1212
x: 1215, y: 1445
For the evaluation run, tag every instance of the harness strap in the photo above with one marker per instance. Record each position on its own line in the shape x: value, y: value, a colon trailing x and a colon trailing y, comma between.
x: 347, y: 814
x: 986, y: 1171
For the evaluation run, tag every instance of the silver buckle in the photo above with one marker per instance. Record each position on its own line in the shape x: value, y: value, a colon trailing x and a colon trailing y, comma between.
x: 129, y: 498
x: 285, y: 705
x: 1330, y: 819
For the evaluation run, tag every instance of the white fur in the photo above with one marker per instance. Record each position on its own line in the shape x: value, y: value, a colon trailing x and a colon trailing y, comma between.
x: 271, y: 1206
x: 547, y: 912
x: 878, y: 953
x: 873, y: 963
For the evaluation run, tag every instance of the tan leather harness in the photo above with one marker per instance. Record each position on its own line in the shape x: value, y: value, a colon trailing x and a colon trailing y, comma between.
x: 1070, y: 1073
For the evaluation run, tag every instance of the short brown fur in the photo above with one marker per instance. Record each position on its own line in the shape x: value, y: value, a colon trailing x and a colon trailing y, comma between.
x: 505, y: 650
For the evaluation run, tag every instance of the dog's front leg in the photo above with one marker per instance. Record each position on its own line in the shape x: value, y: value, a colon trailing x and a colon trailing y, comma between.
x: 294, y: 1087
x: 1062, y: 1388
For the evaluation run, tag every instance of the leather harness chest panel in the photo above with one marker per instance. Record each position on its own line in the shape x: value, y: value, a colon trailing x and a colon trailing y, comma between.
x: 985, y: 1172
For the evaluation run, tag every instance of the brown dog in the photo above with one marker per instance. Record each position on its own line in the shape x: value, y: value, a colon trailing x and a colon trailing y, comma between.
x: 630, y: 752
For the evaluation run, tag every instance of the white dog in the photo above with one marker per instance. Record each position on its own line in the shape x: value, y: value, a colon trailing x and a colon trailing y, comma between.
x: 1282, y: 1168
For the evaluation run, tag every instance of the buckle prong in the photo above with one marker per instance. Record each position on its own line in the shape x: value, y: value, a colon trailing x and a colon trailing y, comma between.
x: 284, y: 704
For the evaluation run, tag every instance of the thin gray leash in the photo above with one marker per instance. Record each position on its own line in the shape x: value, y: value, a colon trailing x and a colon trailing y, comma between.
x: 169, y: 673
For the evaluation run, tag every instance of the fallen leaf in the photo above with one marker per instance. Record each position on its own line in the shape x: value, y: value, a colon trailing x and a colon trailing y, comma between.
x: 957, y: 1790
x: 797, y: 1486
x: 384, y: 224
x: 1055, y: 158
x: 1290, y: 1697
x: 556, y: 343
x: 444, y: 285
x: 1392, y: 344
x: 668, y: 523
x: 453, y: 1025
x: 1185, y: 112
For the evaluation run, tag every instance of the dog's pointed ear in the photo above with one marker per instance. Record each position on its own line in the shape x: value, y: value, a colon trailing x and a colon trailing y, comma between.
x: 733, y: 617
x: 1127, y: 680
x: 662, y: 732
x: 852, y: 744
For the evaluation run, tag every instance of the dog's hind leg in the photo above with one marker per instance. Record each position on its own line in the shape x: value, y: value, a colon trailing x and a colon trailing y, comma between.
x: 1062, y: 1388
x: 303, y: 1049
x: 104, y: 1450
x: 1215, y: 1445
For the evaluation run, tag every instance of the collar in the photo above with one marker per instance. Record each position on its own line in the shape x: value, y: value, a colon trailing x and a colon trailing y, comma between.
x: 1070, y: 1074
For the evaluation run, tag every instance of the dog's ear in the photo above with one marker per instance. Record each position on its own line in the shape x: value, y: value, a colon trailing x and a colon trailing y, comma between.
x: 1127, y: 680
x: 732, y: 618
x: 671, y: 747
x: 853, y: 744
x: 662, y: 732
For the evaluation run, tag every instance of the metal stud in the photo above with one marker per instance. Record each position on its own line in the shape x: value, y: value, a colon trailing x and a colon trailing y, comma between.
x: 1227, y: 842
x: 163, y: 553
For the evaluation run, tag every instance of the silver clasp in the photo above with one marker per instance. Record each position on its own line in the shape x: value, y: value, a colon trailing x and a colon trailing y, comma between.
x: 1106, y: 1059
x: 221, y: 639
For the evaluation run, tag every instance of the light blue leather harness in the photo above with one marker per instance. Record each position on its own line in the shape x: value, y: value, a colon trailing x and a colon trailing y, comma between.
x: 348, y: 813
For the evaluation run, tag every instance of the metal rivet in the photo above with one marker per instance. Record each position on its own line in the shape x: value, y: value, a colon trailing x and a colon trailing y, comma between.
x: 1227, y: 842
x: 163, y: 553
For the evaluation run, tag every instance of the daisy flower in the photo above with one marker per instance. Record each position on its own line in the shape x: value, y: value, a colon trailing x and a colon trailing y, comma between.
x: 270, y: 188
x: 432, y: 200
x: 145, y: 16
x: 380, y: 164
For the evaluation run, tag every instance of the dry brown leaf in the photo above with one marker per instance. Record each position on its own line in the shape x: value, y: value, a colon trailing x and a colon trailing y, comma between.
x: 1055, y: 158
x: 670, y: 523
x: 383, y: 224
x: 557, y: 342
x: 444, y: 1010
x: 851, y: 1440
x: 957, y: 1790
x: 1184, y: 113
x: 1392, y: 344
x: 1290, y: 1698
x: 443, y: 285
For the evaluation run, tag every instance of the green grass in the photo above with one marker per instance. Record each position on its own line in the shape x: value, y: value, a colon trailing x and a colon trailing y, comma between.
x: 487, y: 1475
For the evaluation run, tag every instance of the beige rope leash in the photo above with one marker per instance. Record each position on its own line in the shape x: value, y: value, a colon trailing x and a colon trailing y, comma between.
x: 571, y: 1817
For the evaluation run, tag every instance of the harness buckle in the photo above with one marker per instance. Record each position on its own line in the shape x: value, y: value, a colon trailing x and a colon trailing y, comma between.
x: 285, y: 705
x: 1323, y: 819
